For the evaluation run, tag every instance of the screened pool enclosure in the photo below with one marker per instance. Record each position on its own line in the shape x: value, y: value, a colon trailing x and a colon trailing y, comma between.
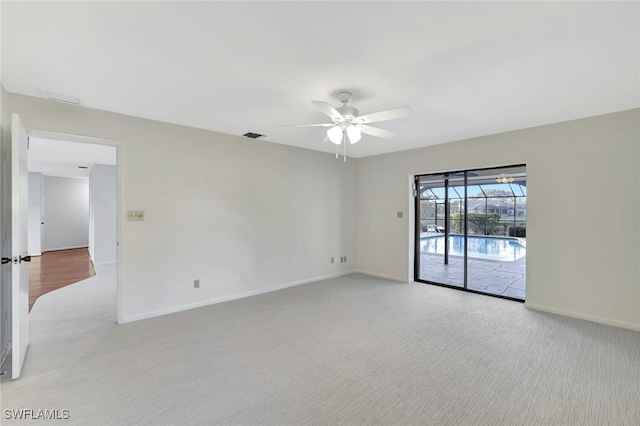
x: 471, y: 229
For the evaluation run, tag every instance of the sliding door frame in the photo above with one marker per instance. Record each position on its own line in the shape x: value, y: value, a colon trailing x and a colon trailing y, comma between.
x: 418, y: 230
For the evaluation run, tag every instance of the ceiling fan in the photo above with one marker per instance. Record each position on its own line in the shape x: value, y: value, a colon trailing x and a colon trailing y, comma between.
x: 348, y: 124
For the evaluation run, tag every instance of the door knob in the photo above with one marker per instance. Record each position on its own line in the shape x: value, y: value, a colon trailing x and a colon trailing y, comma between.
x: 25, y: 258
x: 6, y: 260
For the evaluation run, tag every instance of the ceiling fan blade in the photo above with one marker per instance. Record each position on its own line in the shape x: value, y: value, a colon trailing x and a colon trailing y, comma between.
x: 307, y: 125
x: 376, y: 131
x: 328, y: 110
x: 390, y: 114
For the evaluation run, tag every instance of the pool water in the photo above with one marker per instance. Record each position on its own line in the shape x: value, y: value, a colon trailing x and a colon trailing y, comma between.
x: 490, y: 248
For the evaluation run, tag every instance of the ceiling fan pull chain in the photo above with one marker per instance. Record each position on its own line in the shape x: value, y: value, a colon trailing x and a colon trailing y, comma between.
x: 344, y: 149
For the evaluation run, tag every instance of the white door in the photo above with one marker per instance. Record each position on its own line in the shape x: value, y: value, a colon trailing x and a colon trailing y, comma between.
x: 41, y: 214
x: 19, y: 243
x: 5, y: 251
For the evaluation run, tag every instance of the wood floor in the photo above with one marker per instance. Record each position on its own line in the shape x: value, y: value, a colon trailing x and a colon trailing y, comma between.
x: 56, y: 269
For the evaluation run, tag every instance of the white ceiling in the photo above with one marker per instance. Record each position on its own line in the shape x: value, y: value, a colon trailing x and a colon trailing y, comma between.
x: 465, y: 68
x: 61, y: 158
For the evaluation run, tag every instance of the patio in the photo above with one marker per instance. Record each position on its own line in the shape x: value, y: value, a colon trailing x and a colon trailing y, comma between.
x: 494, y: 277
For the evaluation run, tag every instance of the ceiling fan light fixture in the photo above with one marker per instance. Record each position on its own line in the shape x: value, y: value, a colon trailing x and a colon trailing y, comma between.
x: 354, y: 133
x: 347, y: 123
x: 335, y: 134
x: 505, y: 179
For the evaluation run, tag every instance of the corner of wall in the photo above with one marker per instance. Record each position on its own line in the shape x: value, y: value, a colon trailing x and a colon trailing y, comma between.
x: 5, y: 115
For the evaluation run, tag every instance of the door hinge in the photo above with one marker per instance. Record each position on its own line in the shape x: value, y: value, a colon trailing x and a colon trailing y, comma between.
x: 415, y: 190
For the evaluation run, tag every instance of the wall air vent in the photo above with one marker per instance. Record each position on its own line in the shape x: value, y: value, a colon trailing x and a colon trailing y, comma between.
x: 83, y: 167
x: 58, y: 97
x: 253, y: 135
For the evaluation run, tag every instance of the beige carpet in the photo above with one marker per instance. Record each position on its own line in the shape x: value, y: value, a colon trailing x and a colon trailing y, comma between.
x: 352, y: 351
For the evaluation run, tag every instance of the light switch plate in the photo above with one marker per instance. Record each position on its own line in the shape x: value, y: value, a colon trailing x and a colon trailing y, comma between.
x: 400, y: 215
x: 135, y: 215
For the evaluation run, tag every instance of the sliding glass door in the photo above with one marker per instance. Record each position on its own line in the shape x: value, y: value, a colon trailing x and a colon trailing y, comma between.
x: 471, y: 230
x: 440, y: 208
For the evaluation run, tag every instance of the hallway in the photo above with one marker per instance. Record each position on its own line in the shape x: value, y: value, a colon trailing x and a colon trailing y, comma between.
x: 57, y: 269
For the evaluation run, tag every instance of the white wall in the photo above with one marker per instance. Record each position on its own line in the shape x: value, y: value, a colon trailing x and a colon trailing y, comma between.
x: 103, y: 212
x: 242, y: 215
x: 583, y: 211
x: 35, y: 214
x: 66, y: 209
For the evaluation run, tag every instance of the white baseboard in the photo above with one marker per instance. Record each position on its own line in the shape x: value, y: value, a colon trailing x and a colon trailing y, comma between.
x: 63, y: 248
x: 199, y: 304
x: 377, y: 275
x: 108, y: 262
x: 592, y: 318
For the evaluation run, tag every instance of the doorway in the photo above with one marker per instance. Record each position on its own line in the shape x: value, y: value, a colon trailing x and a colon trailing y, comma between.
x: 72, y: 212
x: 471, y: 230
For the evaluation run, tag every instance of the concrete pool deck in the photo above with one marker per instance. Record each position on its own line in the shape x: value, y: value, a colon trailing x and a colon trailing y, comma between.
x: 488, y: 276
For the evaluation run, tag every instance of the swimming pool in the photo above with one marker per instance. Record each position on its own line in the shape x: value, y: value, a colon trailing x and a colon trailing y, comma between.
x: 490, y: 248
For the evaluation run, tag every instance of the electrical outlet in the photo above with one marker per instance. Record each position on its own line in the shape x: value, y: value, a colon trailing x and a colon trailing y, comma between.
x: 345, y: 259
x: 196, y: 283
x: 135, y: 215
x: 332, y: 260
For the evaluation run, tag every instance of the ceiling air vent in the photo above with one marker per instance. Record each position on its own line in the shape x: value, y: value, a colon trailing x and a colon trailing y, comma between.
x: 253, y: 135
x: 58, y: 97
